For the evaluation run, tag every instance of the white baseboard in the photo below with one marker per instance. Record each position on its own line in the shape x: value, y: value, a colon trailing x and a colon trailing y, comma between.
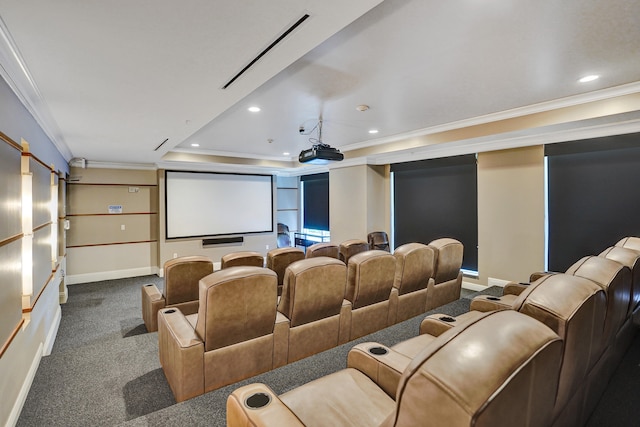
x: 24, y: 390
x: 53, y: 331
x: 74, y: 279
x: 492, y: 281
x: 473, y: 286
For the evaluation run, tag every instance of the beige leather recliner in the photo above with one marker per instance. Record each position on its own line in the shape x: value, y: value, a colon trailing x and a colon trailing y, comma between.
x: 444, y: 385
x: 370, y: 277
x: 630, y: 242
x: 322, y: 249
x: 312, y: 301
x: 236, y: 333
x: 181, y: 277
x: 279, y: 259
x: 242, y: 258
x: 349, y: 248
x: 447, y: 277
x: 414, y: 273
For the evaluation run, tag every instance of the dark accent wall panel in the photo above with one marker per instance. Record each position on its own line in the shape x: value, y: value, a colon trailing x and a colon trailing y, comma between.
x: 315, y: 199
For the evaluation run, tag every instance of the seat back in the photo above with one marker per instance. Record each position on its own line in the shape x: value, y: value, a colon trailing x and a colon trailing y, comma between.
x: 632, y: 243
x: 448, y: 259
x: 370, y: 278
x: 283, y: 237
x: 242, y: 258
x: 414, y: 267
x: 444, y: 385
x: 279, y: 259
x: 322, y: 249
x: 181, y: 278
x: 349, y: 248
x: 313, y: 290
x: 236, y: 304
x: 631, y: 259
x: 378, y: 240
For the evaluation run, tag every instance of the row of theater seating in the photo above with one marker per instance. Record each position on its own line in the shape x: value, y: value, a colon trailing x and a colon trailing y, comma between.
x: 540, y: 355
x: 241, y: 328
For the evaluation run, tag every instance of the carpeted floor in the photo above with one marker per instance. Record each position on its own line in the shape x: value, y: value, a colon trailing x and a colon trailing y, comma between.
x: 104, y: 367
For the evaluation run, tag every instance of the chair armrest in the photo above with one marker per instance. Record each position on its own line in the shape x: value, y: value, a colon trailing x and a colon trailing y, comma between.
x: 513, y: 288
x: 538, y: 274
x: 152, y: 302
x: 274, y: 412
x: 345, y: 322
x: 384, y: 369
x: 437, y: 324
x: 280, y: 340
x: 485, y: 303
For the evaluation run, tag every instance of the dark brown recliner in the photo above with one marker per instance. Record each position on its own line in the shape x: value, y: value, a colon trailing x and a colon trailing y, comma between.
x: 181, y: 277
x: 242, y: 258
x: 447, y: 277
x: 279, y: 259
x: 370, y: 277
x: 498, y: 370
x: 349, y: 248
x: 414, y: 273
x: 322, y: 249
x: 378, y: 240
x: 236, y: 333
x: 313, y: 300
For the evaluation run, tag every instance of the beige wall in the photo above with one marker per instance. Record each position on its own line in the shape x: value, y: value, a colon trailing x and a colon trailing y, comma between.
x: 511, y: 213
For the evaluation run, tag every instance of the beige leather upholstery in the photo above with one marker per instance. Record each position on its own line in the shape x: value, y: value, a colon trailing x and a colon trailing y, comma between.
x: 242, y: 258
x: 322, y: 249
x: 279, y: 259
x: 237, y: 333
x: 370, y: 277
x: 446, y: 272
x: 349, y: 248
x: 181, y: 277
x: 631, y: 259
x: 630, y: 243
x: 312, y: 299
x: 378, y: 240
x: 442, y: 386
x: 414, y: 272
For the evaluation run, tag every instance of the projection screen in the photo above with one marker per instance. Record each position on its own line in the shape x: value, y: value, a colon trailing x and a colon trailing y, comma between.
x: 202, y: 204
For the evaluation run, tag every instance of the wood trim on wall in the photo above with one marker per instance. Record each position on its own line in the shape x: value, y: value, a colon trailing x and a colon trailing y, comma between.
x: 7, y: 343
x: 112, y: 185
x: 119, y: 214
x: 112, y: 244
x: 37, y: 160
x: 10, y: 142
x: 11, y: 239
x: 40, y: 227
x: 35, y: 301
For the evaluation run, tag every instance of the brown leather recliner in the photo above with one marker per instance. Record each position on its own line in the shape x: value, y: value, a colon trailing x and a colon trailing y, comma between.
x: 349, y: 248
x: 242, y: 258
x: 447, y: 277
x: 499, y: 370
x: 279, y: 259
x: 322, y: 249
x: 312, y: 300
x: 370, y: 277
x: 378, y: 240
x: 237, y: 333
x: 181, y: 277
x: 414, y: 272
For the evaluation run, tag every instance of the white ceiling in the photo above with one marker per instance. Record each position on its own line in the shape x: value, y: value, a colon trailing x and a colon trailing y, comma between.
x: 110, y: 81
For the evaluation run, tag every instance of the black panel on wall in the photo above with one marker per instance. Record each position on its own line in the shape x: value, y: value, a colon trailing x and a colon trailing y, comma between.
x: 438, y: 198
x: 594, y: 196
x: 315, y: 201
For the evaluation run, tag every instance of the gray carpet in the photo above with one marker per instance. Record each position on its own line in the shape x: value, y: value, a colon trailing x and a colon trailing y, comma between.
x: 104, y: 367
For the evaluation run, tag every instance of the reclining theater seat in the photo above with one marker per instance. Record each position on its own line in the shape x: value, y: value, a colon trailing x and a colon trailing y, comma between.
x: 322, y: 249
x: 630, y: 243
x: 279, y: 259
x: 575, y: 308
x: 312, y: 300
x: 349, y: 248
x: 181, y: 277
x: 414, y: 271
x: 370, y: 278
x: 236, y: 333
x: 631, y: 259
x: 447, y: 276
x: 378, y: 240
x: 242, y: 258
x: 442, y: 386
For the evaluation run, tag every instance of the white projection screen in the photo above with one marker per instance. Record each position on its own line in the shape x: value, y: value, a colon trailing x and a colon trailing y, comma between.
x: 202, y: 204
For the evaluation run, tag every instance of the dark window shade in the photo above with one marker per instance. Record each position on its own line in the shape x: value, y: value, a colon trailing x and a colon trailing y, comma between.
x: 438, y: 198
x: 315, y: 195
x: 593, y: 196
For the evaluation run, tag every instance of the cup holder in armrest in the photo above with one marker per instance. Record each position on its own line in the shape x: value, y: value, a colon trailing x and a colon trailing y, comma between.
x: 171, y: 310
x: 257, y: 400
x: 447, y: 319
x: 378, y: 351
x: 149, y: 284
x: 493, y: 298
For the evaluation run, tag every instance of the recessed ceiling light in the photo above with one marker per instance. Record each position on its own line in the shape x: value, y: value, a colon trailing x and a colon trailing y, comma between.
x: 362, y: 107
x: 286, y: 153
x: 195, y: 145
x: 589, y: 78
x: 254, y: 109
x: 373, y: 131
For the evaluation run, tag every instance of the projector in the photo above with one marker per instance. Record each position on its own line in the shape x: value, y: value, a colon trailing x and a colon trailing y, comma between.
x: 320, y: 155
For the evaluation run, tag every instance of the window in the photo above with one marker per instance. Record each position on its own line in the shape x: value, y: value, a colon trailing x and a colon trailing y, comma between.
x: 315, y: 201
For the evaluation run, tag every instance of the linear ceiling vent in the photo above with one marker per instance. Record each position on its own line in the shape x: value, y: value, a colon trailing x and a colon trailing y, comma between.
x: 267, y: 49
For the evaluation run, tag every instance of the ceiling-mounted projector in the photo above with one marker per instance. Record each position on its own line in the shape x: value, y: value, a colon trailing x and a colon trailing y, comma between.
x: 320, y: 154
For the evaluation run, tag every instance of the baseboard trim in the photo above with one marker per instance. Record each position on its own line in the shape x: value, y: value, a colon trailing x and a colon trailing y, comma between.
x: 473, y: 286
x: 24, y: 390
x: 53, y: 332
x: 74, y: 279
x: 492, y: 281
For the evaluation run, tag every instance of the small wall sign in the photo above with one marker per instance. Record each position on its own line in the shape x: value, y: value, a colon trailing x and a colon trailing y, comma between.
x: 115, y: 209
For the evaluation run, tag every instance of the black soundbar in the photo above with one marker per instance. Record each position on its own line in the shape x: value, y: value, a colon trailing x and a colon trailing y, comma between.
x: 222, y: 241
